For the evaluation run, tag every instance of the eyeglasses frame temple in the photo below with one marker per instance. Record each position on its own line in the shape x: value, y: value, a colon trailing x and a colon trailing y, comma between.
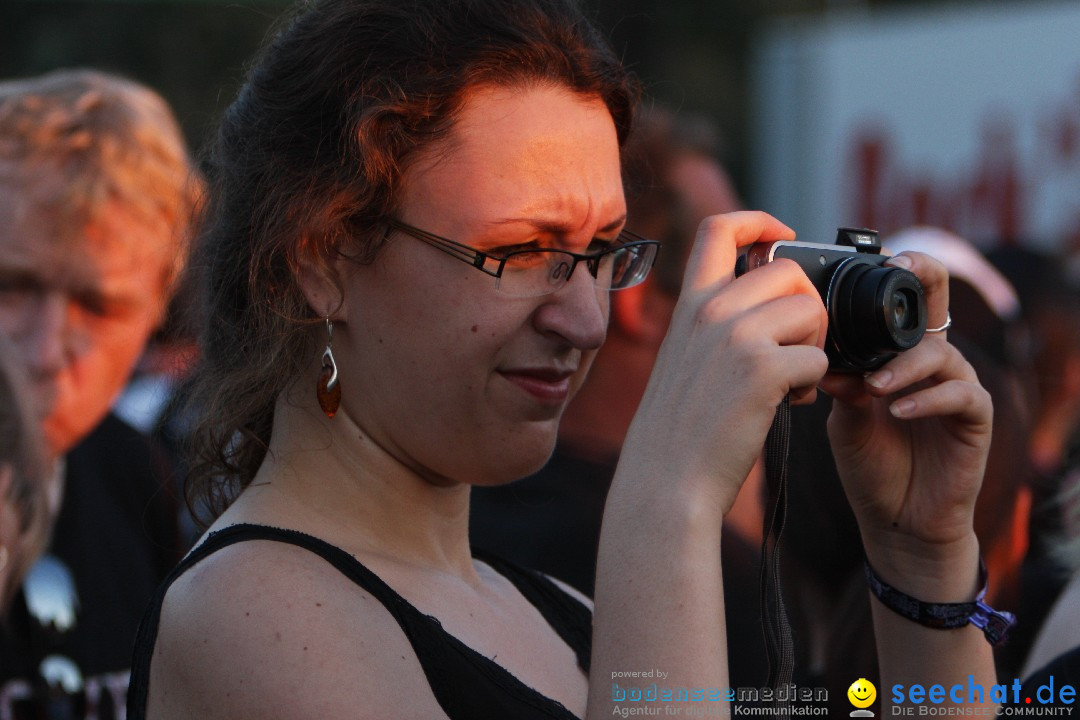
x: 456, y: 250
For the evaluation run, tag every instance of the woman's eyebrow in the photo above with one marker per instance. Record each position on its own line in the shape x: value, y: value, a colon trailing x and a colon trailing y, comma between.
x: 557, y: 228
x: 614, y: 224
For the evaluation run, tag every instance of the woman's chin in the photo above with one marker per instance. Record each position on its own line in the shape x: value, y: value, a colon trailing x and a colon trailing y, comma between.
x: 518, y: 462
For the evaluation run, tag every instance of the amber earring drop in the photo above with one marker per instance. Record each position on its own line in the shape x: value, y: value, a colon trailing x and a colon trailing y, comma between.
x: 328, y: 390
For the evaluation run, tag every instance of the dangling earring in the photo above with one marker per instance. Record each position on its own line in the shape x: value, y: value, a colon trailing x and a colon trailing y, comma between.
x: 328, y: 389
x: 3, y: 557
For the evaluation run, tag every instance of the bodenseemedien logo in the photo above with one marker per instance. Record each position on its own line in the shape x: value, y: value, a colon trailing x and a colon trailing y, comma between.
x: 654, y: 698
x: 862, y: 695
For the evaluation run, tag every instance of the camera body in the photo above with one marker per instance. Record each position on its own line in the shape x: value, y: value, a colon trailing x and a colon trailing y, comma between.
x: 874, y: 311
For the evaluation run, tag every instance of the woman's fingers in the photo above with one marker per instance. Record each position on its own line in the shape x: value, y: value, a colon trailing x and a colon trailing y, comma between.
x: 799, y: 317
x: 931, y: 379
x: 933, y: 358
x: 934, y: 379
x: 935, y: 281
x: 712, y: 259
x: 955, y: 398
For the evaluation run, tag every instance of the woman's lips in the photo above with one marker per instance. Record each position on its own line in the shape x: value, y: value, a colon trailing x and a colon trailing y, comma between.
x: 548, y: 386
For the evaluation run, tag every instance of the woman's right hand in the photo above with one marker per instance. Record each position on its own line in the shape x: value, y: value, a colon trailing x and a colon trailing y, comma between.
x: 736, y: 347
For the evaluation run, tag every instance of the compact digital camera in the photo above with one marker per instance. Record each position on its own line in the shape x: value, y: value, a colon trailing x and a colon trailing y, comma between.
x: 874, y: 311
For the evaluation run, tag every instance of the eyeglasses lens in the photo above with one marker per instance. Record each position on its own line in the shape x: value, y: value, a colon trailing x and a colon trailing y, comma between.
x: 530, y: 273
x: 631, y: 265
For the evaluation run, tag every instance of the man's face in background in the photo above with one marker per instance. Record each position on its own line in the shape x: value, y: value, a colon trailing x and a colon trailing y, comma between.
x: 79, y: 300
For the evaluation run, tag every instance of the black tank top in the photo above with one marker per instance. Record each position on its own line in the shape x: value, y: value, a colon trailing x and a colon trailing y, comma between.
x: 467, y: 685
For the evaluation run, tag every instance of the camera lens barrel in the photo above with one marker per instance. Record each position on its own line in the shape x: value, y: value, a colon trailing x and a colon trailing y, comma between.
x: 874, y: 312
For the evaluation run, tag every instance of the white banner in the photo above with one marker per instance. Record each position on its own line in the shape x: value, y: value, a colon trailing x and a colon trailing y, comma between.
x: 965, y: 117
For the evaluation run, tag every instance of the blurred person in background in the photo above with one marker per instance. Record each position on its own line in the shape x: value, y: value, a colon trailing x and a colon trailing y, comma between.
x: 166, y: 360
x: 1050, y: 344
x: 98, y: 195
x: 1056, y: 649
x: 1050, y: 341
x: 1050, y: 302
x: 1055, y: 450
x: 150, y: 401
x: 23, y: 519
x: 551, y: 520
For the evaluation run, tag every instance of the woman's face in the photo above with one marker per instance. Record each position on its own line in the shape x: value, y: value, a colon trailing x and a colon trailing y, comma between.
x: 454, y: 378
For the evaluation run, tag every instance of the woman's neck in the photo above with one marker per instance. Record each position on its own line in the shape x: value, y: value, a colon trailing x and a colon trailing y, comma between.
x: 329, y: 478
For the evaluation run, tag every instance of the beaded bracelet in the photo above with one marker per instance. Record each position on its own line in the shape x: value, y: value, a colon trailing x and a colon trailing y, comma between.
x: 995, y: 624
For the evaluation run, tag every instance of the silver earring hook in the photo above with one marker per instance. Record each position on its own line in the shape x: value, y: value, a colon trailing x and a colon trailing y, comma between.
x: 328, y: 355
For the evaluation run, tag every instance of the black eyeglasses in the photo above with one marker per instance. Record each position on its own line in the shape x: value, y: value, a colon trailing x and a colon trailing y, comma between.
x: 541, y: 271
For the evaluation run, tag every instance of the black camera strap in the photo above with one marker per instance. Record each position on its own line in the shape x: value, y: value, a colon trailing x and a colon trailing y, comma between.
x: 776, y: 628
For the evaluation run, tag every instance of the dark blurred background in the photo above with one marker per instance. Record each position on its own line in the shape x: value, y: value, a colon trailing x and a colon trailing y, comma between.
x: 692, y: 54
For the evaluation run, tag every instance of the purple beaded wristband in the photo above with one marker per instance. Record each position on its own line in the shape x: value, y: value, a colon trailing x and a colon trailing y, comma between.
x: 995, y: 624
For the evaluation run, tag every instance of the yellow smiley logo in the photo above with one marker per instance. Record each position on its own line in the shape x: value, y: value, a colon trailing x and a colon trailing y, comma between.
x: 862, y: 693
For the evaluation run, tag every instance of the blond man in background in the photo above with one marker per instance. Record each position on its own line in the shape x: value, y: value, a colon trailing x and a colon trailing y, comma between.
x: 97, y: 201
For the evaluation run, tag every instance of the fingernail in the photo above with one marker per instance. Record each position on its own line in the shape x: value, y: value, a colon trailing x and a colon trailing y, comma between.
x: 900, y: 261
x: 879, y: 379
x: 901, y: 408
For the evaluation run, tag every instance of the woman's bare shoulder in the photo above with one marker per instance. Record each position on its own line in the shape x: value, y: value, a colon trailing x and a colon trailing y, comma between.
x: 269, y: 630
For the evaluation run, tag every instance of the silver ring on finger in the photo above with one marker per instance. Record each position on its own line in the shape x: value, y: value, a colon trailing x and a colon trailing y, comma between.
x: 945, y: 326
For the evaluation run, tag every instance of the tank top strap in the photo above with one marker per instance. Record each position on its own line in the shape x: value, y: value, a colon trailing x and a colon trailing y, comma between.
x: 567, y: 615
x: 441, y: 655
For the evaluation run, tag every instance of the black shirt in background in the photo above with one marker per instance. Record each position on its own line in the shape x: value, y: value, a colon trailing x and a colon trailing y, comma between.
x: 117, y: 534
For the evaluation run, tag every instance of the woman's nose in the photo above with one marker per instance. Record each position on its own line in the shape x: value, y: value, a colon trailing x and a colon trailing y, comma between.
x: 577, y: 312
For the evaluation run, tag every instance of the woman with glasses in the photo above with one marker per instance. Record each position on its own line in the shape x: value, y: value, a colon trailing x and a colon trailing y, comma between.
x: 417, y: 217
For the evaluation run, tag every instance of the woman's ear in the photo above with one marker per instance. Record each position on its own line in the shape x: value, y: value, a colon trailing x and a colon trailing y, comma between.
x: 318, y: 275
x: 642, y: 313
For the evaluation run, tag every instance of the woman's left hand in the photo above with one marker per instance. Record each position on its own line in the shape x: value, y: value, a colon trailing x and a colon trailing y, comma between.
x: 911, y: 442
